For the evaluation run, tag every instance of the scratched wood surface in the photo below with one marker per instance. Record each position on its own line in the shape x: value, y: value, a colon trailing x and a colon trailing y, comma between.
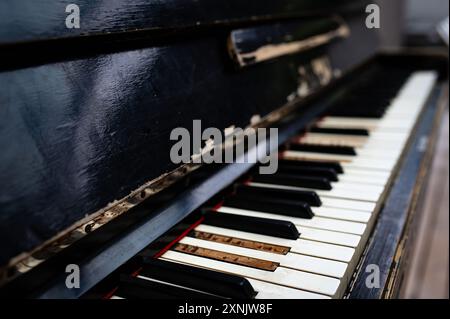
x: 23, y: 20
x: 79, y: 133
x: 226, y: 257
x: 428, y: 274
x: 275, y: 249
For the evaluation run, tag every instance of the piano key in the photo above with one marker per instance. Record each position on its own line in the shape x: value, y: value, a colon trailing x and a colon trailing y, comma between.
x: 338, y: 193
x: 358, y: 186
x: 297, y: 181
x: 309, y: 197
x: 245, y: 243
x: 220, y: 255
x: 388, y: 147
x: 303, y: 163
x: 316, y: 222
x: 294, y: 261
x: 270, y: 227
x: 311, y: 156
x: 208, y: 281
x: 373, y: 164
x: 344, y: 214
x: 339, y: 140
x: 327, y: 173
x: 267, y: 290
x: 271, y: 205
x: 345, y: 160
x: 329, y: 212
x: 314, y: 148
x: 348, y: 123
x: 379, y: 154
x: 363, y: 179
x: 351, y: 193
x: 375, y: 190
x: 366, y: 173
x: 143, y: 288
x: 281, y: 276
x: 348, y: 204
x: 338, y: 131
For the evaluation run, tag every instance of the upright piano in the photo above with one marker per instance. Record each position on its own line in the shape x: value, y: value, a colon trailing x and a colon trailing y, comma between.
x: 88, y: 186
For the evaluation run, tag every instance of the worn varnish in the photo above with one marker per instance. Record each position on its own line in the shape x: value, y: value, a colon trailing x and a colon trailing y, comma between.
x: 81, y: 133
x: 77, y: 135
x: 227, y: 257
x: 257, y: 44
x: 22, y: 20
x: 275, y: 249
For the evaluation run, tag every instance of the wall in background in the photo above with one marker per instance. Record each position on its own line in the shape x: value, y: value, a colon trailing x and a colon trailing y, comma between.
x: 410, y: 21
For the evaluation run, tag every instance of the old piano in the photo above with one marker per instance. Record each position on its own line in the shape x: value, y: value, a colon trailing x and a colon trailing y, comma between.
x: 87, y: 182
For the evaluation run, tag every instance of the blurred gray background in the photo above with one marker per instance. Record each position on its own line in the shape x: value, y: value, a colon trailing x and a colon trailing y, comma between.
x: 411, y: 22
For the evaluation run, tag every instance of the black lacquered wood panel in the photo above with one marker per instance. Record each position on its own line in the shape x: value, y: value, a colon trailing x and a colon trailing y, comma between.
x: 79, y: 134
x: 22, y: 20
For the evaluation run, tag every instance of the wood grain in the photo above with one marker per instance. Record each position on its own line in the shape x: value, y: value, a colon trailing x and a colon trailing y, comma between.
x: 428, y: 275
x: 43, y: 19
x: 275, y: 249
x: 227, y: 257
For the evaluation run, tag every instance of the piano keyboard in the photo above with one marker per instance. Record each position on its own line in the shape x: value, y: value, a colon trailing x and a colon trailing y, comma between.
x: 300, y: 232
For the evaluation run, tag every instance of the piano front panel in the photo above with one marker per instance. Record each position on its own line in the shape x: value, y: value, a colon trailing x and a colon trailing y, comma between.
x: 90, y: 118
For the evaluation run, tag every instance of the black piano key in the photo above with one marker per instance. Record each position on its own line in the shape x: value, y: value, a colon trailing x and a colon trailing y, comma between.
x: 270, y: 205
x: 309, y: 197
x: 209, y: 281
x: 137, y: 288
x: 263, y: 226
x: 342, y: 131
x: 327, y: 173
x: 328, y: 149
x: 294, y: 181
x: 303, y: 163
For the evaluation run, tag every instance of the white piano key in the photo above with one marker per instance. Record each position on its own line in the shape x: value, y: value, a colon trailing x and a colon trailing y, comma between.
x: 357, y: 187
x: 347, y: 204
x: 362, y: 179
x: 373, y: 164
x: 340, y: 193
x: 367, y: 173
x: 267, y: 290
x: 340, y: 213
x: 316, y: 156
x: 315, y: 222
x: 378, y: 154
x: 348, y: 122
x: 365, y: 123
x: 349, y: 160
x: 330, y: 237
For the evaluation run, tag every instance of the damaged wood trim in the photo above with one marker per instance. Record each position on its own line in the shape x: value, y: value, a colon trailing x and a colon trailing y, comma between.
x: 254, y: 45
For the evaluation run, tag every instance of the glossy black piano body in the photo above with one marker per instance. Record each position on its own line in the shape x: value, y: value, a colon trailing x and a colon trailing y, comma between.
x: 87, y: 114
